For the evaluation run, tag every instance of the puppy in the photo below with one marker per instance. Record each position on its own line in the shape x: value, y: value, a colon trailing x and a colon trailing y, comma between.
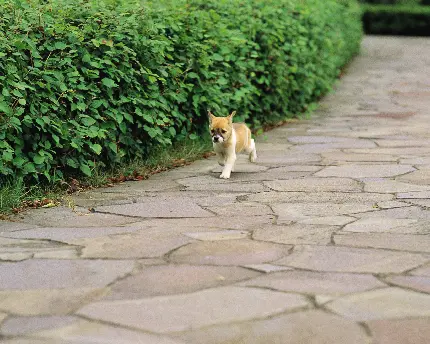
x: 229, y: 138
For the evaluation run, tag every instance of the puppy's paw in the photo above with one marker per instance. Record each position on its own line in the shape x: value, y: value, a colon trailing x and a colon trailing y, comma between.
x: 221, y: 163
x: 253, y: 157
x: 225, y: 175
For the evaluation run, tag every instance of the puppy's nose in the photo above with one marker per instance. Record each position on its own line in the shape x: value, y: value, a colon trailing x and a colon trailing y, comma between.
x: 216, y: 138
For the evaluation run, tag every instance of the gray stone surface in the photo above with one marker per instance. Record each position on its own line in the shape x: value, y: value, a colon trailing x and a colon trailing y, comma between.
x: 46, y: 274
x: 324, y: 240
x: 176, y: 279
x: 385, y: 303
x: 179, y: 312
x: 350, y: 259
x: 400, y: 331
x: 229, y: 252
x: 310, y: 327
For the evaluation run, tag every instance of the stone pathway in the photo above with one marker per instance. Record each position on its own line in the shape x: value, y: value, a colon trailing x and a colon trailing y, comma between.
x: 324, y: 240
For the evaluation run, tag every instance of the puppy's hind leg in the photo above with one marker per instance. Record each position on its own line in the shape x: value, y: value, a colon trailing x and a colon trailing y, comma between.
x: 252, y: 151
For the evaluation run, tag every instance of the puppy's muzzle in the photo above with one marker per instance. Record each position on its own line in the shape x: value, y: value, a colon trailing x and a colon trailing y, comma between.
x: 217, y: 139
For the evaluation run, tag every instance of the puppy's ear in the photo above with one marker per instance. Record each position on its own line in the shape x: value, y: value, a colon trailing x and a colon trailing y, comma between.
x: 230, y: 117
x: 210, y: 116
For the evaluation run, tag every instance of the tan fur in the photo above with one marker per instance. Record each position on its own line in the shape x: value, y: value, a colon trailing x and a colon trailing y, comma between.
x: 228, y: 139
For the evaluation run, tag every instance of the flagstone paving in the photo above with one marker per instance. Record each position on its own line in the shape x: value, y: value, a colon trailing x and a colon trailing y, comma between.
x: 325, y: 240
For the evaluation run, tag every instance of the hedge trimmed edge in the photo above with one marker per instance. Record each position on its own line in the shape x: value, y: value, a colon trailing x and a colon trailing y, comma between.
x: 96, y: 82
x: 397, y: 20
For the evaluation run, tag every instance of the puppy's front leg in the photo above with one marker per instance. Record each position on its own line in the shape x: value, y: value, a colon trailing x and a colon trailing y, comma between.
x: 221, y: 159
x: 229, y: 166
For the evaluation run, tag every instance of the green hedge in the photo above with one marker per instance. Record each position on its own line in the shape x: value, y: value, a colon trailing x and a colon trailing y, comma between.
x: 397, y: 20
x: 88, y: 83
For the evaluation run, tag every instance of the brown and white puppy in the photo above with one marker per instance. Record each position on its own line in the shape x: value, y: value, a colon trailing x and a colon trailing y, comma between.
x: 229, y: 138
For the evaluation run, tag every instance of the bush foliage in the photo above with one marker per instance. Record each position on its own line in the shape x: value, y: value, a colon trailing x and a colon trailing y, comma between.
x: 96, y: 82
x: 397, y: 20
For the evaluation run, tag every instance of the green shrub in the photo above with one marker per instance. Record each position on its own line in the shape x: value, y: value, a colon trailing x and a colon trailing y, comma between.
x: 397, y: 20
x: 98, y: 82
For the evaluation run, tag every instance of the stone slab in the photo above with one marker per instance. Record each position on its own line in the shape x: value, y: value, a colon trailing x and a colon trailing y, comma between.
x: 180, y: 207
x: 44, y: 274
x: 66, y: 217
x: 308, y: 327
x: 218, y: 235
x: 309, y: 282
x: 267, y: 268
x: 207, y: 183
x: 365, y: 171
x: 24, y: 325
x: 295, y: 234
x: 15, y: 256
x: 301, y: 211
x: 316, y: 196
x: 66, y: 234
x: 420, y: 177
x: 229, y: 252
x: 340, y: 156
x: 401, y: 242
x: 385, y: 303
x: 418, y: 283
x: 150, y: 244
x: 243, y: 209
x: 287, y: 158
x: 400, y: 331
x: 46, y: 301
x: 7, y: 226
x: 421, y: 271
x: 414, y: 195
x: 176, y: 279
x: 351, y: 259
x: 391, y: 186
x: 388, y: 225
x: 328, y: 220
x: 83, y: 332
x: 179, y: 312
x: 312, y: 184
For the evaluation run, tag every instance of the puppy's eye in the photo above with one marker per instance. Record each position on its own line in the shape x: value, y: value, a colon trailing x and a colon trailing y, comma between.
x: 212, y: 131
x: 223, y: 131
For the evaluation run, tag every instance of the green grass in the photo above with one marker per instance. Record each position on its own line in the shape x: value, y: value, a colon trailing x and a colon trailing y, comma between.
x: 16, y: 195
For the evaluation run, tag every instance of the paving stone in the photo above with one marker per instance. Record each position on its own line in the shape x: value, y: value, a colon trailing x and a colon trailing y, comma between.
x: 203, y: 308
x: 42, y: 274
x: 218, y: 235
x: 301, y: 211
x: 10, y: 245
x: 414, y: 195
x: 402, y: 242
x: 310, y: 282
x: 83, y: 332
x: 22, y: 325
x: 2, y: 317
x: 135, y: 187
x: 297, y: 168
x: 418, y: 283
x: 316, y: 139
x: 184, y: 225
x: 150, y: 244
x: 229, y: 252
x: 400, y: 331
x: 287, y: 158
x: 15, y: 256
x: 66, y: 217
x: 92, y: 198
x: 206, y: 183
x: 413, y: 212
x: 420, y: 177
x: 391, y: 186
x: 332, y: 147
x: 243, y: 208
x: 385, y: 303
x: 416, y: 161
x: 64, y: 234
x: 176, y: 279
x: 392, y: 204
x: 312, y: 184
x: 267, y: 268
x: 242, y: 168
x: 420, y: 202
x: 350, y: 259
x: 60, y: 254
x: 180, y: 207
x: 318, y: 197
x: 6, y: 226
x: 402, y: 143
x: 46, y: 301
x: 272, y: 174
x: 340, y: 156
x: 364, y: 171
x: 403, y: 152
x: 328, y: 220
x: 389, y: 225
x: 35, y: 341
x: 295, y: 234
x: 310, y: 327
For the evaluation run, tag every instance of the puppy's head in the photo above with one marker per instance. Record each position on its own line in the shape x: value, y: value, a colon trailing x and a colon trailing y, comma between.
x: 220, y: 127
